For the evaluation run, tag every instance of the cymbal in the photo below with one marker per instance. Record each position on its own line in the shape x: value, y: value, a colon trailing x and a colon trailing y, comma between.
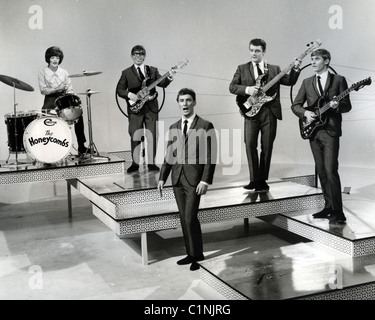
x: 85, y: 73
x: 88, y: 92
x: 16, y: 83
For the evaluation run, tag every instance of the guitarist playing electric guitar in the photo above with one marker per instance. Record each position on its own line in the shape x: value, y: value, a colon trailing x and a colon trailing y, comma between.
x: 142, y: 120
x: 325, y: 142
x: 244, y: 84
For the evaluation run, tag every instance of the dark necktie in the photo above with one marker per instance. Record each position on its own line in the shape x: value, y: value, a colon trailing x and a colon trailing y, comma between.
x: 185, y: 128
x: 141, y: 74
x: 320, y: 87
x: 259, y: 70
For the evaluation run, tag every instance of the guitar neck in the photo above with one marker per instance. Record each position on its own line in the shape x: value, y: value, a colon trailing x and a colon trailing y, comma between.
x: 156, y: 82
x: 283, y: 73
x: 342, y: 95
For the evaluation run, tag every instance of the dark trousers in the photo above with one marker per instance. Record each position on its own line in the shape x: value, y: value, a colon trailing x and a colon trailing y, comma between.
x: 143, y: 125
x: 188, y: 205
x: 264, y: 123
x: 325, y: 150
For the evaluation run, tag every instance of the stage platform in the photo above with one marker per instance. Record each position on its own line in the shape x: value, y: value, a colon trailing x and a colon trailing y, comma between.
x: 25, y: 170
x: 335, y: 261
x: 302, y: 271
x: 130, y: 203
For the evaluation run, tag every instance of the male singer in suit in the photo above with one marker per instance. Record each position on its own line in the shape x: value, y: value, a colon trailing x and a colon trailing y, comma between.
x: 325, y: 142
x: 191, y: 155
x: 128, y: 86
x: 265, y: 122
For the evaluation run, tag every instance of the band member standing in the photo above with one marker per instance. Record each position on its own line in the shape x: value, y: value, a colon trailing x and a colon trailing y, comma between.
x: 191, y: 156
x: 144, y: 123
x: 325, y: 142
x: 54, y: 82
x: 265, y: 121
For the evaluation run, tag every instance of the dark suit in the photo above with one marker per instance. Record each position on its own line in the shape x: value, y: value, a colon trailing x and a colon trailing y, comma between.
x: 190, y: 162
x: 265, y: 121
x: 325, y: 142
x: 130, y: 81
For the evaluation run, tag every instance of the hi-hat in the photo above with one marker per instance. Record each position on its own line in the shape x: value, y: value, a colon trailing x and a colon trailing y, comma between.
x: 85, y: 74
x: 88, y: 92
x: 13, y: 82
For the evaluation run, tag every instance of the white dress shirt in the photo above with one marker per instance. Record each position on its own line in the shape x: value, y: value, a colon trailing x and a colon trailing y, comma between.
x: 323, y: 79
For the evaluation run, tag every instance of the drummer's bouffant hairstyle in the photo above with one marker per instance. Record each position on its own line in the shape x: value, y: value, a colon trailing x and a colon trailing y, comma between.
x: 54, y: 52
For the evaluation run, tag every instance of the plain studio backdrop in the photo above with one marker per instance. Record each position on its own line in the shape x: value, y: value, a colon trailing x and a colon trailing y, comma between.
x: 97, y: 35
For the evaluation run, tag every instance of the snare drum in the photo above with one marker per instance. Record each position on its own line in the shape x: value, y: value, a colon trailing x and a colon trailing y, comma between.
x: 48, y: 139
x: 16, y: 125
x: 68, y: 107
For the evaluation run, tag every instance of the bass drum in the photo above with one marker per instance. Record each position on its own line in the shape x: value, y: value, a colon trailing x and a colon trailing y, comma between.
x: 48, y: 140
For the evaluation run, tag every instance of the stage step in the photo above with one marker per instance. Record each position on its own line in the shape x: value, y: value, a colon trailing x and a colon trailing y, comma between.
x: 145, y: 210
x: 268, y: 269
x: 129, y: 210
x: 354, y: 238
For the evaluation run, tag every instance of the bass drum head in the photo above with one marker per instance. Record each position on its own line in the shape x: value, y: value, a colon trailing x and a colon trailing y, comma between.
x: 48, y: 140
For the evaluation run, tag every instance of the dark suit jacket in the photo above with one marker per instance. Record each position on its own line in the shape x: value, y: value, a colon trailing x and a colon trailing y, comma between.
x: 309, y: 93
x: 130, y: 80
x: 244, y: 77
x: 196, y: 158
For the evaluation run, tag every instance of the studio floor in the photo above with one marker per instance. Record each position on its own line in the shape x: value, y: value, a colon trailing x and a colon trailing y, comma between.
x: 46, y: 256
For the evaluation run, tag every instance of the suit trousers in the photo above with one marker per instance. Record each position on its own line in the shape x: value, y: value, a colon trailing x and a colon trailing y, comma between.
x: 188, y: 205
x: 265, y: 123
x: 325, y: 150
x: 143, y: 124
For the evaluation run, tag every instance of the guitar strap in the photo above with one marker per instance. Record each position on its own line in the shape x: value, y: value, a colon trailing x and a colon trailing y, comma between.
x: 148, y: 71
x: 265, y: 78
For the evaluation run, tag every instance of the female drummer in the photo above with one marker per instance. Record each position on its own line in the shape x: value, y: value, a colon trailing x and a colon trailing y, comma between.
x: 54, y: 82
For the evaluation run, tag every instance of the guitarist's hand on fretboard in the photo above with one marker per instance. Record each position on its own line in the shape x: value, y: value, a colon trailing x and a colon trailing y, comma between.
x: 171, y: 73
x: 334, y: 104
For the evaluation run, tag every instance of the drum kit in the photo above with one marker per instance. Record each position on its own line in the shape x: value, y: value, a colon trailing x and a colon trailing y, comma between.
x: 47, y: 138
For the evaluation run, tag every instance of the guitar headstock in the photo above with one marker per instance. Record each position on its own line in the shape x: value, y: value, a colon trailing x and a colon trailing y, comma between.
x: 360, y: 84
x: 181, y: 64
x: 313, y: 45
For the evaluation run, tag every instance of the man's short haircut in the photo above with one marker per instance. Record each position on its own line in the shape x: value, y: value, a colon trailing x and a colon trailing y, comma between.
x: 184, y: 91
x: 138, y: 48
x: 322, y: 53
x: 54, y: 52
x: 258, y: 42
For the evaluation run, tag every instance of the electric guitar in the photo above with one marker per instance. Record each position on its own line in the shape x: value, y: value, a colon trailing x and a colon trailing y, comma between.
x: 307, y: 129
x: 251, y: 105
x: 147, y: 92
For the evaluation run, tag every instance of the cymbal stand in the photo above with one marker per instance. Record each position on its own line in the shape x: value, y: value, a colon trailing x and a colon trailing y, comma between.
x: 92, y: 146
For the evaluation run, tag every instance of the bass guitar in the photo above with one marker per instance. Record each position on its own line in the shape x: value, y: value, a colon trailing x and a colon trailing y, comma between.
x: 147, y: 92
x: 251, y: 105
x: 307, y: 128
